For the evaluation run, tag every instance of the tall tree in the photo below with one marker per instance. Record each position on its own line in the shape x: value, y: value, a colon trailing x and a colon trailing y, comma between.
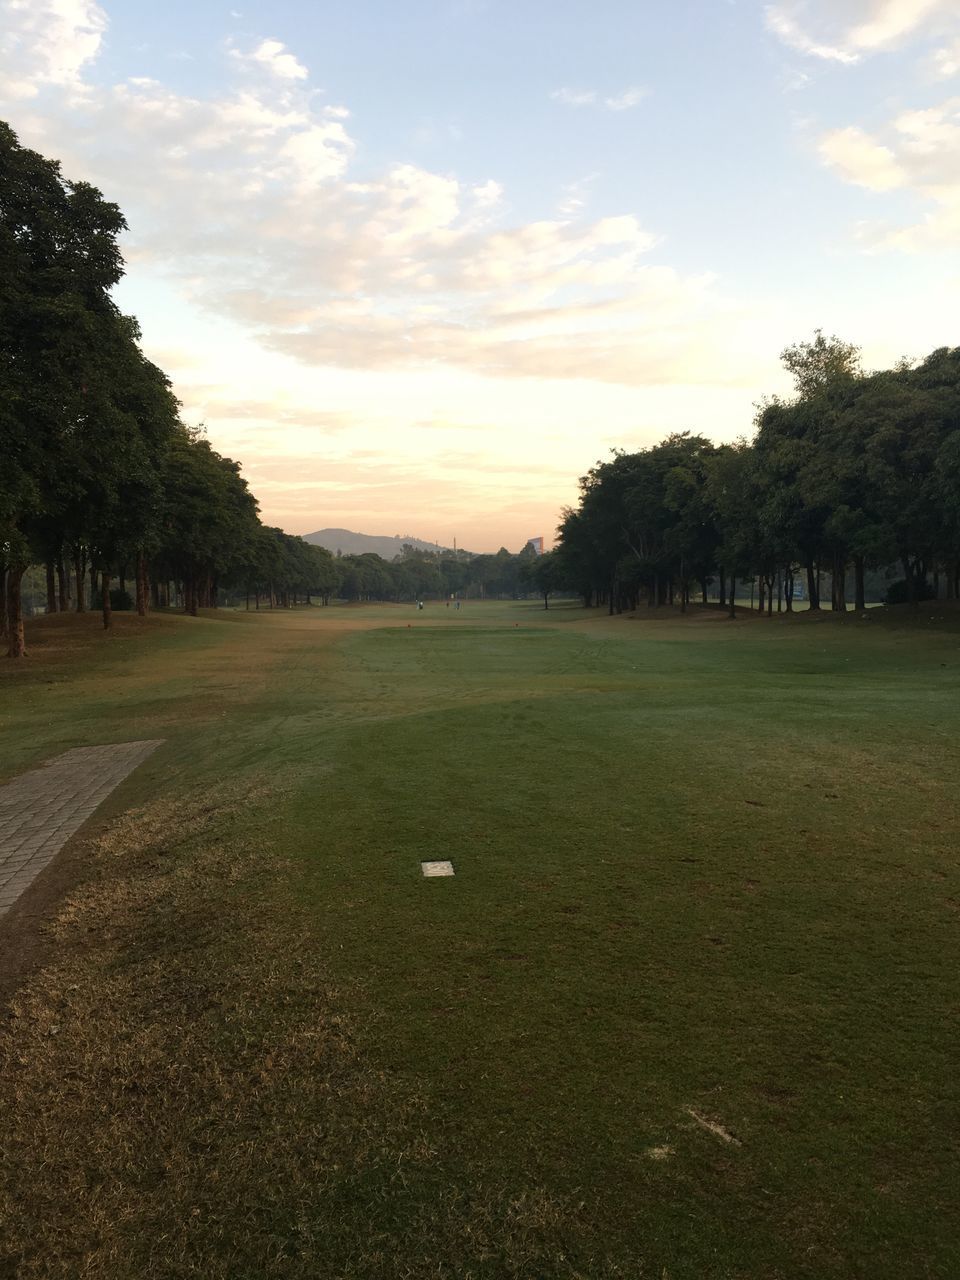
x: 59, y: 254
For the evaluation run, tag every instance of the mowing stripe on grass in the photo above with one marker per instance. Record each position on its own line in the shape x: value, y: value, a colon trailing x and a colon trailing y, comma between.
x: 40, y: 811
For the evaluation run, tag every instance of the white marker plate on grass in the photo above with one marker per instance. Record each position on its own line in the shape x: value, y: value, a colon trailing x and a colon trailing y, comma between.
x: 437, y: 868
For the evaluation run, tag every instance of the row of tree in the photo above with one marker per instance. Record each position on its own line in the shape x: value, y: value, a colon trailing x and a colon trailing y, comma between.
x: 856, y: 472
x: 100, y: 481
x: 416, y: 574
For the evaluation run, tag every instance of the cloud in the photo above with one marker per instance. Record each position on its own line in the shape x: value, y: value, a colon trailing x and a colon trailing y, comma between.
x: 622, y: 101
x: 575, y: 196
x: 575, y: 97
x: 861, y: 160
x: 207, y: 400
x: 273, y: 57
x: 946, y: 61
x: 920, y: 151
x: 627, y: 99
x: 247, y: 201
x: 846, y: 30
x: 781, y: 22
x: 47, y: 42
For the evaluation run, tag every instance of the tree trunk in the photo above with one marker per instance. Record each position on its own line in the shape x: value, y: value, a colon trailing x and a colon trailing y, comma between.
x: 859, y: 590
x: 761, y: 587
x: 15, y: 645
x: 62, y: 584
x: 105, y: 600
x: 733, y: 595
x: 779, y: 591
x: 840, y: 582
x: 3, y: 600
x: 909, y: 570
x: 788, y: 593
x: 51, y: 588
x: 93, y: 586
x: 723, y: 589
x: 80, y: 572
x: 143, y: 587
x: 813, y: 587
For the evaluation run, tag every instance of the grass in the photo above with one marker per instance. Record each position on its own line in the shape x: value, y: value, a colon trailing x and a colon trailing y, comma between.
x: 687, y: 1009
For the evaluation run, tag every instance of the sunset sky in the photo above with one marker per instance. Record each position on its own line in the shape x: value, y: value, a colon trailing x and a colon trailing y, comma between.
x: 418, y: 264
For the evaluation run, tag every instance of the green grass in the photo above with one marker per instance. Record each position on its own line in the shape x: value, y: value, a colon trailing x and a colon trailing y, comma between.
x: 702, y: 867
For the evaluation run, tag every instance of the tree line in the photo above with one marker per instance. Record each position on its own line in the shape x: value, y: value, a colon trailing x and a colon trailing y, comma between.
x: 103, y: 485
x: 416, y: 574
x: 855, y: 472
x: 101, y: 482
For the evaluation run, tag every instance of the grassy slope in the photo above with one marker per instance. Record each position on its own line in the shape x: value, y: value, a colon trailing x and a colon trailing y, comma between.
x: 700, y: 866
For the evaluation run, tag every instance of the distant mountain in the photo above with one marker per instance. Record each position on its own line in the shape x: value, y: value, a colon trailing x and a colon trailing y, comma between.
x: 349, y: 543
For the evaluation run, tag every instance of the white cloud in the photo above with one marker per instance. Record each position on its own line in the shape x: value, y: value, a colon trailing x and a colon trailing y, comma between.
x: 622, y: 101
x: 782, y: 23
x: 488, y: 195
x: 846, y: 30
x: 273, y: 57
x: 315, y: 153
x: 627, y: 99
x: 575, y: 196
x: 946, y: 61
x: 575, y: 97
x: 920, y: 152
x: 47, y: 42
x: 888, y: 21
x: 245, y: 200
x: 861, y: 160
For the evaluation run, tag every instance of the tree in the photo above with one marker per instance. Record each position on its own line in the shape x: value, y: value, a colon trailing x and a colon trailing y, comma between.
x: 59, y: 258
x: 546, y: 574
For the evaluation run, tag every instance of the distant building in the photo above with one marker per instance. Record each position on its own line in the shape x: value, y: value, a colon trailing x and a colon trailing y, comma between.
x: 536, y: 543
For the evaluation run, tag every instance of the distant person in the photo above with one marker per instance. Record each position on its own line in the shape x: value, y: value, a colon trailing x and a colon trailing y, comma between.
x: 458, y: 606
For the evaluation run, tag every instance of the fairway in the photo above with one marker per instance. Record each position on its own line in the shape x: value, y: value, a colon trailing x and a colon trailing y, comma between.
x: 687, y: 1008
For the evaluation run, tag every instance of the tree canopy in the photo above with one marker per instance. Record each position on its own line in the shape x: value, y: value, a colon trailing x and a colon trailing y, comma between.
x: 858, y: 470
x: 100, y: 476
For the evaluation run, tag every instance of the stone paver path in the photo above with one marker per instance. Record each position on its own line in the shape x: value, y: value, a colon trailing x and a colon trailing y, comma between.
x: 40, y: 811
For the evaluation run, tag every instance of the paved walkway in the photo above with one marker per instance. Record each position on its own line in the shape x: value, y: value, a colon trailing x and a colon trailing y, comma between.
x: 40, y: 811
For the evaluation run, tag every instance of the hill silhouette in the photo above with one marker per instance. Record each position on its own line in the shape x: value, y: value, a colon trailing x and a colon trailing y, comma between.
x: 349, y: 543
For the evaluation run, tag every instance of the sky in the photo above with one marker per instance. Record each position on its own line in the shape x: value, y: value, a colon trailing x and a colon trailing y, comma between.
x: 418, y: 266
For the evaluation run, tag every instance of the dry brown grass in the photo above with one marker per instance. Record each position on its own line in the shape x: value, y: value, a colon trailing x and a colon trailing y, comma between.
x: 186, y: 1094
